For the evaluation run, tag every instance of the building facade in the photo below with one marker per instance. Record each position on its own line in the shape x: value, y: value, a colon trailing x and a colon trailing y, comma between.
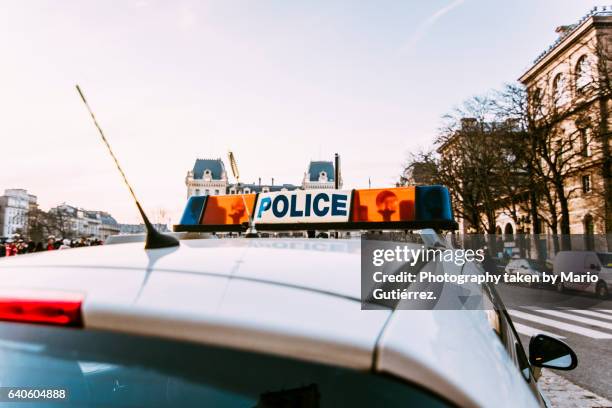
x: 73, y: 222
x: 569, y: 93
x: 15, y: 205
x: 320, y: 174
x: 209, y: 177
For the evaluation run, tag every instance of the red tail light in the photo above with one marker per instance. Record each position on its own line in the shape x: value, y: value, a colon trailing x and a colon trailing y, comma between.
x: 43, y: 307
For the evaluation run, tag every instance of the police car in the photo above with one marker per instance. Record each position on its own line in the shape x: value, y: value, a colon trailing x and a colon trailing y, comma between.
x: 256, y: 322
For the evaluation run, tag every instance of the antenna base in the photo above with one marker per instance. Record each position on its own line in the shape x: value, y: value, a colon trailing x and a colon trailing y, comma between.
x: 251, y: 232
x: 156, y: 239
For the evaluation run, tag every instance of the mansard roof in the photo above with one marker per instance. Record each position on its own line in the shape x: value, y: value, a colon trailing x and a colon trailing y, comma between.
x: 316, y: 167
x: 216, y: 167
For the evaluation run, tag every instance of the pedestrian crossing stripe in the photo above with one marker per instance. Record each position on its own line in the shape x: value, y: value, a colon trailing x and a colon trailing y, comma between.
x: 531, y: 331
x: 579, y: 319
x: 591, y: 313
x: 605, y: 311
x: 572, y: 328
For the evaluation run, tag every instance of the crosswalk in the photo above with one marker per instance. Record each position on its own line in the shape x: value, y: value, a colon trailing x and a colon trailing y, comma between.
x: 559, y: 322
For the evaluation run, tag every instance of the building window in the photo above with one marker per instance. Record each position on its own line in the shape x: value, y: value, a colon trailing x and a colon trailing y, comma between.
x: 216, y: 192
x: 584, y: 142
x: 197, y: 191
x: 246, y: 190
x: 586, y: 184
x: 265, y: 189
x: 559, y: 91
x: 206, y: 192
x: 584, y: 74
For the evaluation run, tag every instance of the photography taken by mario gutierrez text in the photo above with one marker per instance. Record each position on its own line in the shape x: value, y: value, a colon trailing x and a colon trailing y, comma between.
x: 409, y: 271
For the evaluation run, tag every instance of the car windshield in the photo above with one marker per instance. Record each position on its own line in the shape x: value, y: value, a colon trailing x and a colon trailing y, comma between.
x: 101, y: 369
x: 605, y: 258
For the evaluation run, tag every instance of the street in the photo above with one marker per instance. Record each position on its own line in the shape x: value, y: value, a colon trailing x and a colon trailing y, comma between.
x: 587, y: 331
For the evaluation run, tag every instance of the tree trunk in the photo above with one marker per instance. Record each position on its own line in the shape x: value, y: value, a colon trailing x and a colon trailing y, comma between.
x: 566, y: 243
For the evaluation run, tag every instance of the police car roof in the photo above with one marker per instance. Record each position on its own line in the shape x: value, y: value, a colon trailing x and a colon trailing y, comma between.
x: 290, y: 297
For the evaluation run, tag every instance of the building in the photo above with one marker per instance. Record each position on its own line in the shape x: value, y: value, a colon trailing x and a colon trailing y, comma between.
x: 209, y: 177
x: 474, y: 164
x: 569, y: 87
x: 320, y: 174
x: 15, y: 205
x: 73, y: 222
x: 108, y: 225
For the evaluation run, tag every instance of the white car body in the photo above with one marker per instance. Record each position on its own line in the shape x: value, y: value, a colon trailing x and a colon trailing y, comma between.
x: 297, y: 298
x: 521, y: 267
x: 585, y: 262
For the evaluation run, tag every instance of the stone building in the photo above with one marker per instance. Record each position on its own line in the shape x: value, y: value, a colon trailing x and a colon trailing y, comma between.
x: 320, y: 174
x: 73, y: 222
x: 15, y: 205
x: 569, y: 86
x: 209, y: 177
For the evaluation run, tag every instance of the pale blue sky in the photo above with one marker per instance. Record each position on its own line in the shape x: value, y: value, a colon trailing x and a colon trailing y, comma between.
x: 279, y: 82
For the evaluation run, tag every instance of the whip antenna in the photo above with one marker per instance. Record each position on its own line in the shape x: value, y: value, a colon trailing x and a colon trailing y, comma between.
x: 154, y: 238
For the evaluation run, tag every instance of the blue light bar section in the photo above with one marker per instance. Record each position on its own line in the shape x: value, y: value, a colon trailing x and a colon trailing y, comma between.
x: 433, y: 203
x: 193, y: 210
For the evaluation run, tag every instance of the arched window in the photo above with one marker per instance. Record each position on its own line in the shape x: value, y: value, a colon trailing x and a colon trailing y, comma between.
x: 584, y: 74
x: 559, y: 90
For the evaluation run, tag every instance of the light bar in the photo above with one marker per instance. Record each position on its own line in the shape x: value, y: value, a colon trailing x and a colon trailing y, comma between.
x: 384, y: 205
x: 42, y: 307
x: 413, y: 207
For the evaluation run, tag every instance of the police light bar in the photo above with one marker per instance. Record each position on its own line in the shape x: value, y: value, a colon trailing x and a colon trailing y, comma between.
x: 400, y: 208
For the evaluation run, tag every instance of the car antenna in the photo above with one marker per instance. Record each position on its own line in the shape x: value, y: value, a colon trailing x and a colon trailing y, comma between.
x: 251, y: 232
x: 154, y: 238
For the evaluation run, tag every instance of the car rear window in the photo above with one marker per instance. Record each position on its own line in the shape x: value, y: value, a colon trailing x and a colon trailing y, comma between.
x: 102, y: 369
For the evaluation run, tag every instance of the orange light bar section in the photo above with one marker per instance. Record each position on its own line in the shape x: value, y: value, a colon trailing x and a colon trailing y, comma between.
x: 384, y: 205
x: 228, y: 209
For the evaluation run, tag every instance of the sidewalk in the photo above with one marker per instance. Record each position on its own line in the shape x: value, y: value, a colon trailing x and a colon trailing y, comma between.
x: 563, y: 393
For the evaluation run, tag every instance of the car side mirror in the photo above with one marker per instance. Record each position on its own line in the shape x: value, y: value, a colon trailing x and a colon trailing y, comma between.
x: 549, y: 352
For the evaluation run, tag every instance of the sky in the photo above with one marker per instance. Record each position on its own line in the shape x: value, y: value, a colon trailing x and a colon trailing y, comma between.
x: 279, y: 83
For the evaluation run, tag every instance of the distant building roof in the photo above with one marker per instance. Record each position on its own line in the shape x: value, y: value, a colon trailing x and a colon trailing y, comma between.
x: 316, y: 167
x: 107, y: 219
x: 258, y: 188
x: 216, y: 167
